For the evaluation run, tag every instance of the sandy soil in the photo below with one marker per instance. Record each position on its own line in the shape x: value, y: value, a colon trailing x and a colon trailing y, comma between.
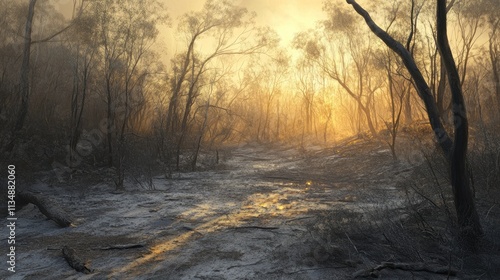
x: 263, y: 213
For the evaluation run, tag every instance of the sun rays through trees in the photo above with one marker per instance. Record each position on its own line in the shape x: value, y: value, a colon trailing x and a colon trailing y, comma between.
x: 137, y: 90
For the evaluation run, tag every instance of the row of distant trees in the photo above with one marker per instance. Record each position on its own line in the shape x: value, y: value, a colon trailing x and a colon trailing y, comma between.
x: 230, y: 81
x: 375, y: 79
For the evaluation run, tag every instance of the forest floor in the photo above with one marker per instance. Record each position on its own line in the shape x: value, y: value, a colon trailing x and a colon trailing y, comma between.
x: 264, y: 212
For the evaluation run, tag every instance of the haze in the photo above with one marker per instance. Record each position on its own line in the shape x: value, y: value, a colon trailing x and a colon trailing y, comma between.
x: 194, y: 141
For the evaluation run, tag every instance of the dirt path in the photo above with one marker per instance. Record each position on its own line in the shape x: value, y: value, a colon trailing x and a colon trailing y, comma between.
x: 259, y: 216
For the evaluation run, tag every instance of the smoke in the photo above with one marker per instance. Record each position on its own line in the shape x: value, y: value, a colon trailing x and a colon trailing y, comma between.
x: 286, y: 17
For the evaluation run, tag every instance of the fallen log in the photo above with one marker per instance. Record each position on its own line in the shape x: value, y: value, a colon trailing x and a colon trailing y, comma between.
x: 432, y: 268
x: 47, y: 206
x: 74, y: 261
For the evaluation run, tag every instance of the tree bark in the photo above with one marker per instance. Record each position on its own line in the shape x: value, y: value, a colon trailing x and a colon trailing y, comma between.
x: 467, y: 215
x: 441, y: 91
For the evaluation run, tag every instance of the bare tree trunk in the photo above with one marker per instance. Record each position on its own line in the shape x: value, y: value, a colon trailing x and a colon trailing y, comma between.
x: 369, y: 121
x: 328, y: 119
x: 407, y: 107
x: 278, y: 120
x: 455, y: 152
x: 192, y: 94
x: 441, y: 91
x: 395, y: 116
x: 467, y: 215
x: 24, y: 79
x: 78, y: 103
x: 174, y: 100
x: 184, y: 127
x: 110, y: 121
x: 423, y: 89
x: 200, y: 137
x: 493, y: 50
x: 47, y: 206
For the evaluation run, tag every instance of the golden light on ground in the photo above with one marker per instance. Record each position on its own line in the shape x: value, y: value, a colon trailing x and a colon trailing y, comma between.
x: 257, y: 205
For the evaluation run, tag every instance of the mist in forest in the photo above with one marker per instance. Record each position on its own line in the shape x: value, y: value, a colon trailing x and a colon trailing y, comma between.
x: 266, y: 118
x: 292, y: 70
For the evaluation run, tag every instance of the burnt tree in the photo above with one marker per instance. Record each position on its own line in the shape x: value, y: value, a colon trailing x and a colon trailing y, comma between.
x: 454, y: 150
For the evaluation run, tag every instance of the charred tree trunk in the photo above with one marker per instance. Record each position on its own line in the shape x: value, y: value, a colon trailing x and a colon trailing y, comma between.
x: 184, y: 128
x: 395, y: 113
x: 50, y: 209
x: 191, y: 96
x: 467, y: 215
x: 441, y: 91
x: 369, y: 121
x: 200, y: 138
x: 494, y: 51
x: 407, y: 108
x: 24, y: 79
x: 177, y: 86
x: 109, y: 122
x: 455, y: 151
x: 78, y: 105
x: 75, y: 261
x: 423, y: 89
